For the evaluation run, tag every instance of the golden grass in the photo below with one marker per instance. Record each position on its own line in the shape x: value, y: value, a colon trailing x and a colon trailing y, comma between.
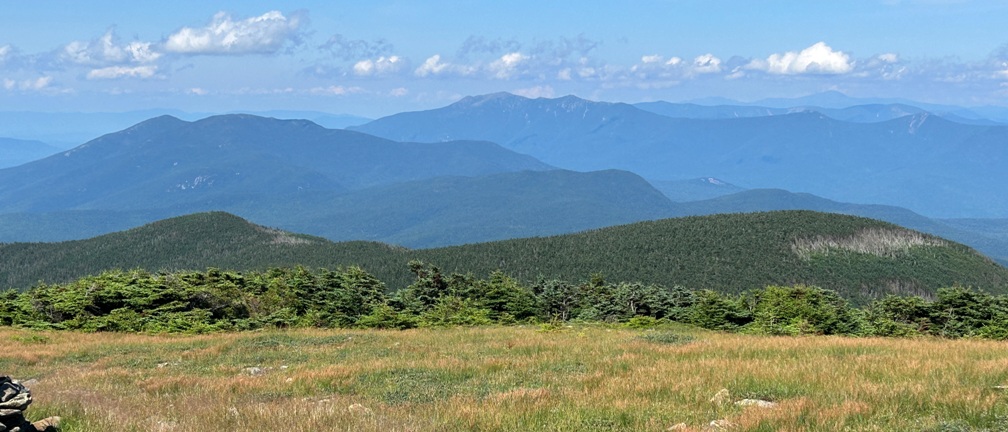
x: 505, y: 378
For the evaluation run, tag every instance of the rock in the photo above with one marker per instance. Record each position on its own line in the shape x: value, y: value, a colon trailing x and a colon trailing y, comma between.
x: 254, y: 370
x: 719, y: 425
x: 722, y: 397
x: 756, y: 403
x: 997, y: 387
x: 678, y: 427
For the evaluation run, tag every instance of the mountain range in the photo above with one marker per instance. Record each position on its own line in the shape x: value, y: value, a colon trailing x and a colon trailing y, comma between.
x: 348, y: 185
x: 922, y: 161
x: 65, y: 130
x: 166, y: 162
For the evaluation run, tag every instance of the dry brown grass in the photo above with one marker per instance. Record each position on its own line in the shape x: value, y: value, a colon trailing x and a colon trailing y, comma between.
x: 583, y: 378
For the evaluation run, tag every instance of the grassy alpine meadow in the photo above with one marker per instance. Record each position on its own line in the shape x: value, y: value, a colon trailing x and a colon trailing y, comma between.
x: 551, y: 378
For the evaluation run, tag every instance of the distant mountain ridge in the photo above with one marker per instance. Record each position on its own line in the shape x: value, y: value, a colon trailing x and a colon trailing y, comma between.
x: 14, y: 152
x: 922, y: 162
x: 167, y: 162
x: 66, y: 130
x: 867, y: 113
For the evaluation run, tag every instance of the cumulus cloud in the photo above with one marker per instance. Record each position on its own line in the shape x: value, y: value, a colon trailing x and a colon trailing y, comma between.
x: 399, y: 92
x: 268, y: 33
x: 433, y: 66
x: 113, y: 72
x: 106, y: 50
x: 816, y: 59
x: 355, y: 49
x: 5, y: 53
x: 507, y: 65
x: 380, y: 66
x: 706, y: 63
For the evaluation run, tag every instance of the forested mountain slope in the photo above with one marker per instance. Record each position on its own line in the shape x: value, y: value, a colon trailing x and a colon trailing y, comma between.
x: 860, y: 258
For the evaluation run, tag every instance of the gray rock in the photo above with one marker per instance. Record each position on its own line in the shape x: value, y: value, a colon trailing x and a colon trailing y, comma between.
x: 720, y: 425
x: 756, y: 403
x: 722, y: 397
x: 254, y: 370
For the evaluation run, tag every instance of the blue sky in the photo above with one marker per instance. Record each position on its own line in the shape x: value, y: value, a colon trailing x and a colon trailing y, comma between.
x: 379, y: 57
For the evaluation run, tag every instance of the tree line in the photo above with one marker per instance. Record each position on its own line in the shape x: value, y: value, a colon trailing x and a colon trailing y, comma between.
x: 216, y: 300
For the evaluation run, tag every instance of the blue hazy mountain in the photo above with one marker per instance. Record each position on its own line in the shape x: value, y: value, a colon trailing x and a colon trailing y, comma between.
x: 695, y: 189
x: 295, y: 174
x: 458, y: 210
x: 923, y: 162
x: 15, y: 152
x: 66, y: 130
x: 347, y: 185
x: 165, y: 162
x: 839, y: 101
x: 857, y: 113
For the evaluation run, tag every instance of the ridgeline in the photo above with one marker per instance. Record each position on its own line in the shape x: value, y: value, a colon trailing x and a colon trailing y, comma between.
x: 730, y: 253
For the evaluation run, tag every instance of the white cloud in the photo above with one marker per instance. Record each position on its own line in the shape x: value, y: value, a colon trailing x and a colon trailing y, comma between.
x: 434, y: 66
x: 106, y: 50
x: 816, y: 59
x: 654, y: 58
x: 380, y: 66
x: 335, y: 90
x: 37, y: 84
x: 5, y: 51
x: 431, y: 66
x: 564, y: 74
x: 706, y: 63
x: 113, y: 72
x: 264, y: 34
x: 535, y: 92
x: 507, y: 66
x: 197, y: 91
x: 142, y: 52
x: 888, y: 58
x: 655, y: 64
x: 399, y: 92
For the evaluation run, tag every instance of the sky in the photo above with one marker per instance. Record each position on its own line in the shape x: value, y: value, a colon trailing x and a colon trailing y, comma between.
x: 378, y: 57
